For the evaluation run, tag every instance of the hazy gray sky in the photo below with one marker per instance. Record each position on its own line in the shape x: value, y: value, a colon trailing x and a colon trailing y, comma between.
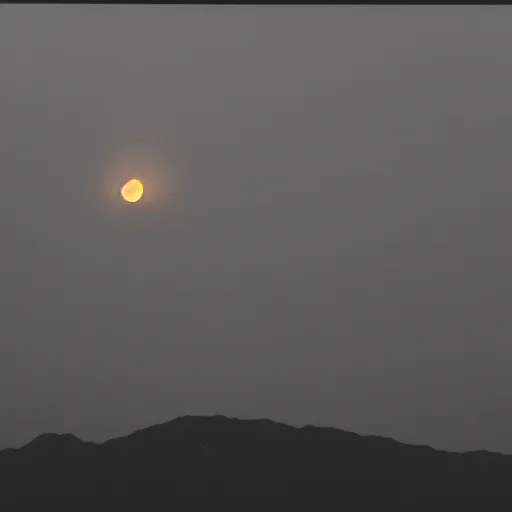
x: 326, y: 236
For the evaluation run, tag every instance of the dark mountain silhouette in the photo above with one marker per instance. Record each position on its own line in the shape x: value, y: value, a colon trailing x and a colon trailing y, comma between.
x: 219, y: 456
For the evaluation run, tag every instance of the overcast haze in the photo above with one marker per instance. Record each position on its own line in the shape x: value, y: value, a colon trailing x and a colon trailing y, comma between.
x: 326, y: 238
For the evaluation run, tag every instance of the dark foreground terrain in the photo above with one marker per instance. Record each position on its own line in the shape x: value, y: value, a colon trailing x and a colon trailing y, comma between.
x: 219, y: 456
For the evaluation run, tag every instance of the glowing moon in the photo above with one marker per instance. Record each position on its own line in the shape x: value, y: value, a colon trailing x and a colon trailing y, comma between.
x: 132, y: 191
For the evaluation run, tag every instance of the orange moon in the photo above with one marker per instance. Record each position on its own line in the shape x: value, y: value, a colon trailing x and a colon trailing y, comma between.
x: 132, y: 191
